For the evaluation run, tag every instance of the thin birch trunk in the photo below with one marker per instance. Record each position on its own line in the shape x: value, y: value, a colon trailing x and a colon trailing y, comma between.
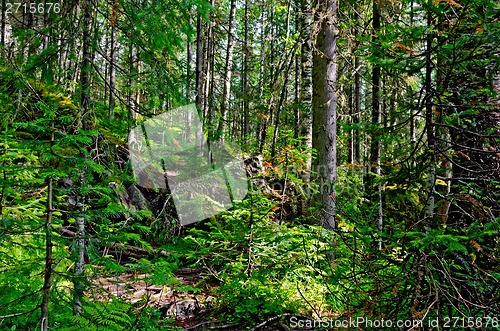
x: 357, y: 100
x: 246, y: 91
x: 226, y: 95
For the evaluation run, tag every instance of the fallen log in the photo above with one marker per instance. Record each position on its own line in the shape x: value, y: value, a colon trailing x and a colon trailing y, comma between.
x: 130, y: 250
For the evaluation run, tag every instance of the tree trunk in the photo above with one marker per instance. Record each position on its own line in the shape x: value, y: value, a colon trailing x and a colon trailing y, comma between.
x: 137, y: 96
x: 132, y: 72
x: 325, y: 109
x: 4, y: 17
x: 79, y: 251
x: 298, y: 100
x: 199, y: 76
x: 267, y: 116
x: 79, y: 245
x: 376, y: 117
x: 357, y: 101
x: 86, y: 65
x: 106, y: 70
x: 429, y: 120
x: 279, y: 107
x: 48, y: 260
x: 199, y: 62
x: 226, y: 96
x: 307, y: 86
x: 246, y: 91
x: 189, y: 59
x: 112, y: 64
x: 208, y: 71
x: 260, y: 114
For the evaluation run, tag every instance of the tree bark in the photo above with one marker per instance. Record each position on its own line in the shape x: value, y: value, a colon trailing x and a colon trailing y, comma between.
x: 112, y: 57
x: 279, y: 107
x: 261, y: 114
x: 357, y: 101
x: 199, y: 62
x: 200, y: 97
x: 132, y: 72
x: 267, y: 116
x: 298, y: 78
x: 79, y: 251
x: 79, y: 245
x: 429, y: 120
x: 307, y: 86
x: 246, y: 91
x: 4, y: 3
x: 86, y: 64
x: 48, y: 260
x: 375, y: 152
x: 189, y: 59
x: 208, y: 72
x: 226, y: 96
x: 325, y: 109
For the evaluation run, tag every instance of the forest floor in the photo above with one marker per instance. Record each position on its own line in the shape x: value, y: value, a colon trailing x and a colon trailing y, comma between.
x: 184, y: 308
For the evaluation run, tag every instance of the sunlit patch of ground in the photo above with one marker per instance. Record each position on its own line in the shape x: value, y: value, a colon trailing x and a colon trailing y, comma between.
x: 183, y: 307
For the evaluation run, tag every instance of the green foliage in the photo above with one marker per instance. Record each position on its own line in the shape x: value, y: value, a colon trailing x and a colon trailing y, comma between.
x: 436, y: 255
x: 43, y: 142
x: 261, y: 267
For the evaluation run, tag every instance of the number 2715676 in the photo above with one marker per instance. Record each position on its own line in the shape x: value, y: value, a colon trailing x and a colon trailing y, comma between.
x: 32, y: 7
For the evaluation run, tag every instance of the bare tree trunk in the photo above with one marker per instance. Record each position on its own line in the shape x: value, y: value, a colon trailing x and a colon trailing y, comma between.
x: 208, y: 71
x: 199, y: 62
x: 199, y: 75
x: 79, y: 251
x: 357, y: 101
x: 112, y: 64
x: 307, y: 85
x: 267, y: 117
x: 298, y: 100
x: 246, y: 91
x: 48, y: 260
x: 279, y: 107
x: 429, y: 120
x: 4, y: 4
x: 137, y: 97
x: 226, y: 96
x: 79, y: 245
x: 132, y: 71
x: 325, y: 109
x: 260, y: 114
x: 375, y: 152
x: 189, y: 59
x: 48, y: 68
x: 106, y: 69
x: 86, y: 65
